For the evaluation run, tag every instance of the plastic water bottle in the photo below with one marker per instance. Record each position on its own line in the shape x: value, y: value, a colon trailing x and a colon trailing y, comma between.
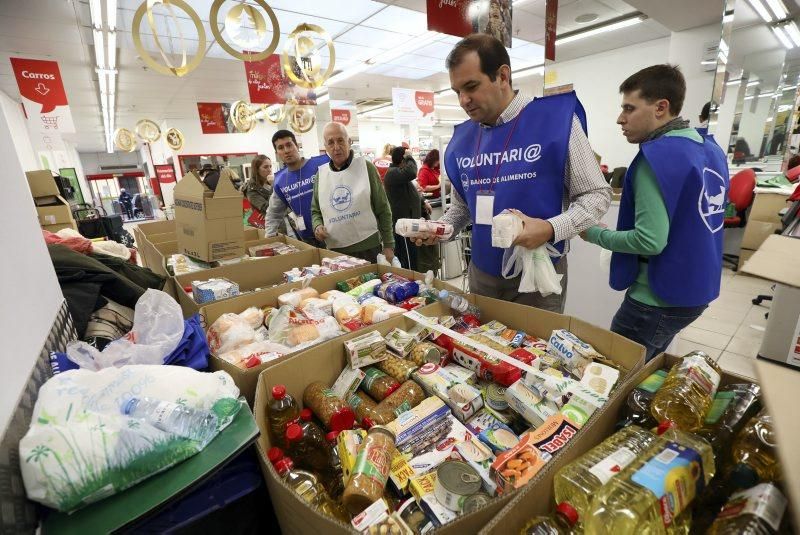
x: 459, y: 303
x: 183, y: 421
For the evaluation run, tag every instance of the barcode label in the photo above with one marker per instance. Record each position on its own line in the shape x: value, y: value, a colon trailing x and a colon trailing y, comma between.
x: 667, y: 456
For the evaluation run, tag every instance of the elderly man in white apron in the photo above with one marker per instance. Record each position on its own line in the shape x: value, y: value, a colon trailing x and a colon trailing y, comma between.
x: 349, y: 210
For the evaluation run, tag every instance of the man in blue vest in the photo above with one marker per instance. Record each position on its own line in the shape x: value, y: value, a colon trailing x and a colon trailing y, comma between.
x: 667, y: 249
x: 294, y: 186
x: 532, y: 156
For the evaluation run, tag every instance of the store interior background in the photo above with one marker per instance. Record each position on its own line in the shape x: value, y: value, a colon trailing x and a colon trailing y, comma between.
x: 682, y: 32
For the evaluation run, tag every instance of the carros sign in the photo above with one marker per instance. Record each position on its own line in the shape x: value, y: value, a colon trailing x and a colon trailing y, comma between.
x: 410, y: 106
x: 43, y: 95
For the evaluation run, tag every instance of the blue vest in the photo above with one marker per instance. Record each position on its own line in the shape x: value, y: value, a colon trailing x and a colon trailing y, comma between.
x: 522, y: 161
x: 296, y: 188
x: 693, y: 178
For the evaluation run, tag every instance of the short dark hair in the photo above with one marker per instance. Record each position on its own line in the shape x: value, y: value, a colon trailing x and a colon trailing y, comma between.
x: 491, y: 53
x: 794, y: 161
x: 705, y: 113
x: 657, y: 82
x: 397, y: 155
x: 280, y: 134
x: 431, y: 158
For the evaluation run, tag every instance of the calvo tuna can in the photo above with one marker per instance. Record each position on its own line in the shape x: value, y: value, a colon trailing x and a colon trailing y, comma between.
x: 475, y: 502
x: 455, y: 482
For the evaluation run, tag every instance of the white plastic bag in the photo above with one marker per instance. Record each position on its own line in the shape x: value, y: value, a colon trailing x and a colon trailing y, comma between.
x: 157, y: 330
x: 506, y: 226
x: 383, y: 262
x: 605, y: 260
x: 535, y: 266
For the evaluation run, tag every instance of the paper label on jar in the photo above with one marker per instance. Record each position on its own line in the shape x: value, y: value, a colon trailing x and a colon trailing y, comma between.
x: 372, y: 462
x: 764, y: 501
x: 612, y: 464
x: 347, y: 382
x: 372, y: 375
x: 701, y: 373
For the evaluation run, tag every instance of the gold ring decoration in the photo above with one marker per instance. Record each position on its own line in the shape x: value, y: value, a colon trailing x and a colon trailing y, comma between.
x: 174, y: 138
x: 242, y: 116
x: 274, y: 113
x: 233, y: 22
x: 148, y: 130
x: 168, y: 68
x: 307, y: 57
x: 125, y: 140
x: 301, y: 118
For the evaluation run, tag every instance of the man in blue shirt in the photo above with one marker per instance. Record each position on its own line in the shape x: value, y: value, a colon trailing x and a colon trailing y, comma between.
x: 294, y: 187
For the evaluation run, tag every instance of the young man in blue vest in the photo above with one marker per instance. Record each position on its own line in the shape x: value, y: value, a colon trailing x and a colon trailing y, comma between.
x: 668, y: 243
x: 517, y: 153
x: 293, y: 188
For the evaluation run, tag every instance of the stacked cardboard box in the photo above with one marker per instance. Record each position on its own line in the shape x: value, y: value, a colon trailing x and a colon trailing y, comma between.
x: 762, y: 221
x: 53, y: 210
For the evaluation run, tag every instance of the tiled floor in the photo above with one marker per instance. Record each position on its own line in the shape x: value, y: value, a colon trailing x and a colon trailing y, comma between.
x: 730, y: 330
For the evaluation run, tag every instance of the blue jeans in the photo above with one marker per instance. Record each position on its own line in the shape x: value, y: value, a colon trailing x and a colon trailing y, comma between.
x: 653, y: 327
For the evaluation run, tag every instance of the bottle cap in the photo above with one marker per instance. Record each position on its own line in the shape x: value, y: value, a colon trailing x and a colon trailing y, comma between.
x: 306, y: 415
x: 443, y: 294
x: 664, y: 426
x: 343, y: 419
x: 188, y: 289
x: 284, y: 465
x: 391, y: 389
x: 278, y: 391
x: 332, y: 436
x: 128, y: 406
x: 294, y: 432
x: 274, y: 455
x: 568, y: 512
x: 367, y: 422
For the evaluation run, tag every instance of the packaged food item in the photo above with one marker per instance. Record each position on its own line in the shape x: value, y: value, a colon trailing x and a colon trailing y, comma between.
x: 337, y: 475
x: 485, y: 366
x: 422, y: 228
x: 307, y: 485
x: 300, y: 333
x: 400, y: 341
x: 579, y: 409
x: 372, y: 516
x: 455, y: 480
x: 687, y: 391
x: 426, y: 415
x: 365, y: 349
x: 516, y: 466
x: 347, y: 444
x: 371, y: 470
x: 229, y: 332
x: 315, y: 307
x: 282, y: 410
x: 377, y: 384
x: 405, y: 398
x: 506, y: 226
x: 577, y: 482
x: 463, y: 399
x: 492, y: 432
x: 529, y: 405
x: 462, y: 375
x: 425, y: 352
x: 333, y: 412
x: 637, y: 406
x: 254, y: 354
x: 400, y: 473
x: 376, y: 310
x: 414, y: 517
x: 428, y: 454
x: 561, y: 522
x: 395, y: 291
x: 420, y: 332
x: 423, y: 490
x: 396, y: 367
x: 347, y: 382
x: 756, y: 447
x: 732, y: 408
x: 366, y: 288
x: 414, y: 302
x: 366, y: 410
x: 213, y: 290
x: 475, y: 502
x: 554, y: 434
x: 294, y: 297
x: 754, y: 511
x: 494, y: 396
x: 574, y: 352
x: 352, y: 282
x: 600, y: 378
x: 480, y: 458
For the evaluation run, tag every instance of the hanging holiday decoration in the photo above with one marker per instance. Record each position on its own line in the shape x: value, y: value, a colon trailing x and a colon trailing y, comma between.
x: 301, y: 58
x: 242, y: 116
x: 168, y: 67
x: 174, y: 139
x: 301, y: 118
x: 125, y: 140
x: 246, y: 28
x: 148, y: 131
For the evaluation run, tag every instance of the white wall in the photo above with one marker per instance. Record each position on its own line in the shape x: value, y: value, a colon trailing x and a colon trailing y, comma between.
x: 93, y: 161
x: 375, y: 134
x: 686, y: 50
x: 31, y: 294
x: 752, y: 125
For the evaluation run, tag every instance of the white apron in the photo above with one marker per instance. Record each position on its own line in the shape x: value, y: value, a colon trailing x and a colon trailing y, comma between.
x: 345, y: 203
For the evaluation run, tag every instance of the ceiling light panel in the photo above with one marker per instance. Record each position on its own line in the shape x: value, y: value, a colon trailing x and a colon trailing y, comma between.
x: 400, y: 20
x: 384, y: 40
x: 355, y: 11
x: 761, y: 9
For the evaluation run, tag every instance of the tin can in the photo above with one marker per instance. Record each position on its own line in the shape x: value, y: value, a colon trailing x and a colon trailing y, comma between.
x: 496, y: 397
x: 475, y: 502
x: 426, y: 352
x: 455, y: 482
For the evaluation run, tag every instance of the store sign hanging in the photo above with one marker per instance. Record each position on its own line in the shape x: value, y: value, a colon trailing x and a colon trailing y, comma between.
x: 463, y: 17
x: 165, y: 173
x: 410, y: 106
x: 43, y: 95
x: 268, y: 84
x: 216, y: 118
x: 550, y: 21
x: 349, y: 118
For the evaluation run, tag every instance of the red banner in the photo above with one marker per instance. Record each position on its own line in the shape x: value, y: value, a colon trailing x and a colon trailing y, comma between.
x: 165, y: 173
x: 268, y: 84
x: 341, y: 116
x: 424, y: 100
x: 213, y: 117
x: 40, y: 81
x: 463, y: 17
x: 551, y: 18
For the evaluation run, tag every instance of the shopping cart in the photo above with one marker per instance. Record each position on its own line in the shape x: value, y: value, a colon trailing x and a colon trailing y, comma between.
x: 94, y: 223
x: 50, y: 122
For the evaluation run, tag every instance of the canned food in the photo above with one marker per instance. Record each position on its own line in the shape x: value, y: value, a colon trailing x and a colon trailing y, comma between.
x: 455, y: 482
x: 496, y: 397
x: 475, y: 502
x: 426, y: 352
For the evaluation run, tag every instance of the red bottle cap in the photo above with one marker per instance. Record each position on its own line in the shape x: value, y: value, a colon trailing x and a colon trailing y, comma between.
x: 188, y: 289
x: 252, y: 362
x: 391, y: 389
x: 278, y: 391
x: 343, y: 419
x: 294, y: 432
x: 274, y: 455
x: 306, y: 415
x: 332, y: 436
x: 367, y: 422
x: 283, y: 466
x: 664, y: 426
x: 568, y: 512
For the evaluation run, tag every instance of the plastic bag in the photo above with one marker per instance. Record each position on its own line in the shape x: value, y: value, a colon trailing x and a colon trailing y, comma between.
x: 506, y: 226
x: 157, y: 330
x: 383, y: 262
x: 229, y: 332
x: 605, y: 260
x: 262, y: 351
x: 538, y: 274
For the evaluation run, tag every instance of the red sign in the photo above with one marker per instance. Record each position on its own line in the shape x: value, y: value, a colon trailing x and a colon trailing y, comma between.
x: 341, y: 116
x: 424, y: 100
x: 165, y: 173
x: 268, y: 84
x: 551, y: 17
x: 213, y: 117
x: 450, y: 16
x: 40, y: 81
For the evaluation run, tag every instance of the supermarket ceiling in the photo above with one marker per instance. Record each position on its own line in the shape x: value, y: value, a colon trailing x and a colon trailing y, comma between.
x: 362, y: 31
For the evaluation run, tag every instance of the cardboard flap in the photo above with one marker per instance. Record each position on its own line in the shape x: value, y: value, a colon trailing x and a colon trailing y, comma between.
x: 191, y: 186
x: 776, y: 260
x: 225, y: 187
x: 41, y: 183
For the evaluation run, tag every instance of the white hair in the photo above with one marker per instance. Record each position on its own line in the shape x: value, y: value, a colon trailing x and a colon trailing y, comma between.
x: 338, y: 126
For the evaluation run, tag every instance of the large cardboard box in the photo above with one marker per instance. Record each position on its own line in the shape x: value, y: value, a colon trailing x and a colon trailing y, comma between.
x: 42, y: 183
x: 246, y: 379
x: 209, y: 223
x: 538, y: 498
x: 762, y: 221
x: 756, y: 232
x: 326, y: 361
x: 54, y: 211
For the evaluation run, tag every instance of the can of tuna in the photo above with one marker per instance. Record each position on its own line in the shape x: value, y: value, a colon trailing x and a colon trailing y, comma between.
x: 496, y: 397
x: 426, y: 352
x: 474, y: 502
x: 455, y: 481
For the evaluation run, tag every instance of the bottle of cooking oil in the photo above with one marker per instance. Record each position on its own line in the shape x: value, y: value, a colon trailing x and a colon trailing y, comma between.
x: 755, y: 446
x: 686, y: 394
x: 559, y: 523
x: 577, y: 482
x: 755, y: 511
x: 637, y: 407
x: 653, y: 494
x: 308, y: 486
x: 733, y: 406
x: 282, y: 410
x: 707, y: 506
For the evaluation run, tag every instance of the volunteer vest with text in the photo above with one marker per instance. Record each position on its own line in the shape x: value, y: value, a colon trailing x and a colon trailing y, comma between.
x: 527, y: 168
x: 297, y: 187
x: 693, y: 178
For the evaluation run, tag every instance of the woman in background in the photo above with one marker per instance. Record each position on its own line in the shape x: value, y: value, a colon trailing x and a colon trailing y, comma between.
x: 428, y: 178
x: 258, y: 189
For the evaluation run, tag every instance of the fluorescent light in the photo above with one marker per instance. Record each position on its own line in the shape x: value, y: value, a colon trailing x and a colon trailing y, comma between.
x: 734, y: 82
x: 94, y: 12
x: 99, y: 49
x: 111, y: 14
x: 727, y: 18
x: 782, y: 37
x: 788, y: 88
x: 753, y: 83
x: 778, y: 8
x: 522, y: 73
x: 709, y: 62
x: 792, y: 31
x: 601, y: 29
x: 111, y: 99
x: 102, y: 81
x: 112, y: 50
x: 761, y: 10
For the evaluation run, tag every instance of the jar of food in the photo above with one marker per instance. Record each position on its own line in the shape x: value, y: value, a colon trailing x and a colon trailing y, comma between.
x: 366, y: 410
x: 425, y: 352
x: 334, y: 413
x: 309, y: 450
x: 405, y: 398
x: 395, y: 367
x: 377, y: 384
x: 371, y: 470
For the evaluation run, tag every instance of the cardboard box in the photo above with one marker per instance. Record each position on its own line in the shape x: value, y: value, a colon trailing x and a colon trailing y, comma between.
x: 744, y: 256
x: 766, y: 206
x: 538, y: 497
x: 54, y: 210
x: 246, y: 379
x: 209, y: 223
x: 756, y: 232
x: 325, y: 362
x: 42, y: 183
